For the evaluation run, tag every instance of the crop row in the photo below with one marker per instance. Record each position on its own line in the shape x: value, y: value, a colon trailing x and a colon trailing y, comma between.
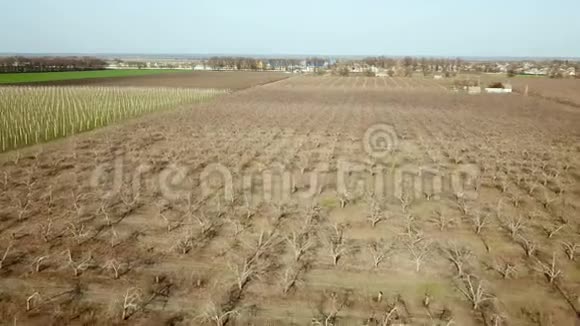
x: 31, y: 115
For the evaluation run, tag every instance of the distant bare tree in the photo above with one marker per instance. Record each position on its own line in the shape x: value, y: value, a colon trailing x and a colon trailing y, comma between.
x: 31, y: 299
x: 458, y: 256
x: 378, y: 251
x: 505, y: 269
x: 551, y: 271
x: 441, y: 220
x: 514, y: 225
x: 131, y: 302
x: 5, y: 255
x: 299, y: 242
x: 474, y: 291
x: 571, y: 248
x: 289, y: 278
x: 214, y: 313
x: 528, y: 245
x: 419, y: 250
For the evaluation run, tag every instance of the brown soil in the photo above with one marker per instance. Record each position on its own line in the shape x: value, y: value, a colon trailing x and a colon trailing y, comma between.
x: 183, y: 254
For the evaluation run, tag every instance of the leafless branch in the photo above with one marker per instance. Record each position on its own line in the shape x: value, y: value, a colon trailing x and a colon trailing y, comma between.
x: 5, y: 255
x: 458, y: 256
x: 528, y: 245
x: 378, y: 251
x: 131, y: 302
x: 31, y: 299
x: 570, y: 248
x: 474, y: 291
x: 551, y: 271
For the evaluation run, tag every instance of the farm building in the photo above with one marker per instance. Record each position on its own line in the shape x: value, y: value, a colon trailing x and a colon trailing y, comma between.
x: 499, y: 88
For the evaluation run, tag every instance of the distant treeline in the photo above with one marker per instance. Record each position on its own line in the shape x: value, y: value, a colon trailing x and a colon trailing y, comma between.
x: 245, y: 63
x: 49, y: 64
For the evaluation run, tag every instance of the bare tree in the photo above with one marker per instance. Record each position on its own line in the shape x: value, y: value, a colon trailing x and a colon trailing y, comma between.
x: 5, y: 255
x: 114, y: 265
x: 514, y: 225
x: 5, y: 181
x: 551, y: 271
x: 462, y: 205
x: 419, y: 250
x: 335, y: 304
x: 263, y: 243
x: 376, y: 213
x: 78, y: 231
x: 529, y: 246
x: 378, y: 251
x: 405, y: 200
x: 479, y: 220
x: 336, y: 250
x: 131, y: 302
x: 243, y: 272
x: 299, y: 242
x: 441, y: 220
x: 555, y: 229
x: 547, y: 200
x: 289, y: 278
x: 458, y: 256
x: 505, y: 269
x: 214, y: 313
x: 45, y: 230
x: 570, y: 248
x: 474, y: 291
x: 344, y: 198
x: 31, y: 299
x: 37, y: 263
x: 184, y: 243
x: 79, y: 266
x: 336, y: 243
x: 22, y: 207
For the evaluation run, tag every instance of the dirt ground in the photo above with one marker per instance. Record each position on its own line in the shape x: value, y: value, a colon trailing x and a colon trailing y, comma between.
x: 278, y: 205
x: 195, y: 79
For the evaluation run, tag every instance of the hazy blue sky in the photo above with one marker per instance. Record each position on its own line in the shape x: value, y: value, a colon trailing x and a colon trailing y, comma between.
x: 413, y: 27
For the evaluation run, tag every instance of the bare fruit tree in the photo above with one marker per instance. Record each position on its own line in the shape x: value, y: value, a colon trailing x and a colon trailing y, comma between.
x: 551, y: 271
x: 376, y: 213
x: 479, y: 220
x: 243, y: 272
x: 570, y: 248
x: 299, y: 242
x: 458, y: 256
x: 336, y: 243
x: 214, y: 313
x: 32, y: 299
x: 5, y: 255
x: 289, y: 278
x: 528, y: 245
x: 442, y: 221
x: 131, y: 302
x: 378, y: 251
x: 474, y: 291
x: 514, y: 225
x: 419, y: 250
x: 79, y: 266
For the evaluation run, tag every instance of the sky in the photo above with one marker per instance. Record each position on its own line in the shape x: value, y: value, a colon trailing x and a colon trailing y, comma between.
x: 450, y: 28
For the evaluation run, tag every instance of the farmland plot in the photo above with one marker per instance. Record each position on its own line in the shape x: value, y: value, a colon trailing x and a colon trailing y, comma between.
x: 300, y: 204
x: 30, y: 115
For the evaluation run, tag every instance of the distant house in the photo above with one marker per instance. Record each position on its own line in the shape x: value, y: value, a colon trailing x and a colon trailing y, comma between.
x: 499, y: 88
x: 473, y: 90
